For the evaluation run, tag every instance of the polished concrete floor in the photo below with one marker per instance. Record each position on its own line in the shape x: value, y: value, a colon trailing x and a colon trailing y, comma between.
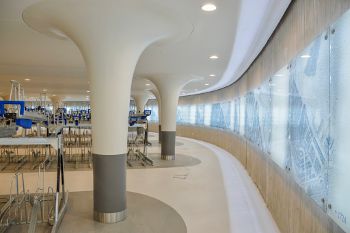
x: 145, y: 215
x: 216, y: 195
x: 180, y: 161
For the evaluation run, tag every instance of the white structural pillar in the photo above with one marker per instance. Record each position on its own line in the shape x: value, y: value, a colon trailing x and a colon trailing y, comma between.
x: 56, y: 102
x: 157, y: 95
x: 169, y: 87
x: 111, y: 35
x: 140, y: 98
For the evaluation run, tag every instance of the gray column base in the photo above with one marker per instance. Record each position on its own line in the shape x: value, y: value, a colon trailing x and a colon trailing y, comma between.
x: 109, y: 188
x: 110, y: 217
x: 159, y: 133
x: 167, y: 157
x: 168, y: 145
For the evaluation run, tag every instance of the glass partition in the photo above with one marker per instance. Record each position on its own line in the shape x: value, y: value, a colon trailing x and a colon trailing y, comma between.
x: 279, y: 84
x: 339, y: 161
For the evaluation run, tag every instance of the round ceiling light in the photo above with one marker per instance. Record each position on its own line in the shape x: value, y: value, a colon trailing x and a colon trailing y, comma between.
x: 147, y: 84
x: 208, y: 7
x: 207, y: 84
x: 213, y: 57
x: 27, y: 79
x: 212, y: 75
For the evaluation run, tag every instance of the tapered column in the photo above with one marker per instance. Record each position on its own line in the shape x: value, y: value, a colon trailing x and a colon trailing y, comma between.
x: 141, y: 98
x: 157, y: 95
x: 56, y: 102
x: 169, y: 87
x: 111, y: 35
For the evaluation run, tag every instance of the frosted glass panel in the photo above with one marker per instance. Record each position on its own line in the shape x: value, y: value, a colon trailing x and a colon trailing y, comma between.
x: 200, y: 114
x: 236, y: 115
x: 241, y: 115
x: 264, y: 101
x: 280, y: 99
x: 308, y: 119
x: 207, y: 114
x: 339, y: 162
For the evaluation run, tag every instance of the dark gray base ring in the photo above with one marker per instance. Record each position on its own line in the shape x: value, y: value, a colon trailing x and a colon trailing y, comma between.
x: 168, y: 145
x: 109, y: 187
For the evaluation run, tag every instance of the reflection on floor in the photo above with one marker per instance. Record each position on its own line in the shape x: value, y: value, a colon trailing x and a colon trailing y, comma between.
x: 180, y: 161
x: 145, y: 215
x: 156, y: 143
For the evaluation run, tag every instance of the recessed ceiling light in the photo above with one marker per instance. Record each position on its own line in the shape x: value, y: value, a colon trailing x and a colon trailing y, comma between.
x: 213, y: 57
x: 147, y: 84
x: 54, y: 95
x: 44, y: 90
x: 212, y: 75
x: 207, y: 84
x: 305, y: 56
x: 27, y: 79
x: 87, y: 91
x: 208, y: 7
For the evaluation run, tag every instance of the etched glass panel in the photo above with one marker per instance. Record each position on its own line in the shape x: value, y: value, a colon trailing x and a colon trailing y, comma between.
x: 236, y: 116
x: 252, y: 121
x: 226, y: 110
x: 339, y: 159
x: 200, y: 114
x: 308, y: 118
x: 280, y: 97
x: 264, y: 114
x: 207, y: 114
x: 242, y: 115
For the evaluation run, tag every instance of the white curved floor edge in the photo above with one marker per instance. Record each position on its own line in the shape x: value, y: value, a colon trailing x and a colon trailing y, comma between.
x: 247, y: 209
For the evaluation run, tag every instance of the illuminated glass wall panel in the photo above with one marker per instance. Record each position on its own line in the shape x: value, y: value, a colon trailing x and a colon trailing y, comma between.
x: 280, y: 98
x: 308, y: 118
x: 339, y: 159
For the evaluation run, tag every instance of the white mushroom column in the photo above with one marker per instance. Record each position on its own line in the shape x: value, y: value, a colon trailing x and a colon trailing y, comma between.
x: 157, y: 95
x: 141, y: 98
x: 169, y: 88
x: 111, y: 35
x: 56, y: 104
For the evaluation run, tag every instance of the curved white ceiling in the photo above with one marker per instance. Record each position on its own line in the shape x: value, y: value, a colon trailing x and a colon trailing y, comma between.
x: 236, y: 32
